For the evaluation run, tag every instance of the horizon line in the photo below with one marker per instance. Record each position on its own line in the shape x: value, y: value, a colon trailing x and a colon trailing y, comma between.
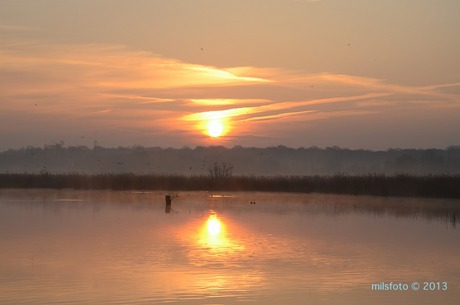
x: 336, y: 147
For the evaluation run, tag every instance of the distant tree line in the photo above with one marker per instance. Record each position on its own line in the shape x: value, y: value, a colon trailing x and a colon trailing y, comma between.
x: 240, y: 161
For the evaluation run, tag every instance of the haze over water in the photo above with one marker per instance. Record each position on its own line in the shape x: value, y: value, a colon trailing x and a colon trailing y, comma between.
x: 234, y: 248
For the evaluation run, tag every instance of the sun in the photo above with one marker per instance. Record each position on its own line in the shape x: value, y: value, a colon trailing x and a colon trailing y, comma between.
x: 215, y: 128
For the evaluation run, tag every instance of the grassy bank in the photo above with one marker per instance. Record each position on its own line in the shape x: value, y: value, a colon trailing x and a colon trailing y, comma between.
x: 439, y: 186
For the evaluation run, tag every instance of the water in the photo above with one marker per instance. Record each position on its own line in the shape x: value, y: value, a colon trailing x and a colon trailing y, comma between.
x: 80, y: 247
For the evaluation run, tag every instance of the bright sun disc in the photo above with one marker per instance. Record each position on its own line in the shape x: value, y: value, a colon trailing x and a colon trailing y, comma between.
x: 215, y: 129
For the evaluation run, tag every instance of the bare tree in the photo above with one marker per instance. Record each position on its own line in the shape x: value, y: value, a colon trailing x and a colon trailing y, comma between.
x: 220, y: 170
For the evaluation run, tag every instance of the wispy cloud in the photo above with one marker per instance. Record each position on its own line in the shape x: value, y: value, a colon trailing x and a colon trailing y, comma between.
x: 116, y: 87
x: 14, y: 28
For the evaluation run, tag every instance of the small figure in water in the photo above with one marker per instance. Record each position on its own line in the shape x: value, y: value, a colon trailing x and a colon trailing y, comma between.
x: 168, y: 204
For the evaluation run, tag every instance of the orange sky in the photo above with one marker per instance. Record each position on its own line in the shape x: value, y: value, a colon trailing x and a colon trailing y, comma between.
x: 360, y: 74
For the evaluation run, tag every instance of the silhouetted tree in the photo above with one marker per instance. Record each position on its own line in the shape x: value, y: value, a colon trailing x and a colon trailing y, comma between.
x: 220, y: 170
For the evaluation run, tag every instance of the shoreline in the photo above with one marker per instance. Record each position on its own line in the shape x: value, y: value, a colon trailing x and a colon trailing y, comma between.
x: 428, y: 186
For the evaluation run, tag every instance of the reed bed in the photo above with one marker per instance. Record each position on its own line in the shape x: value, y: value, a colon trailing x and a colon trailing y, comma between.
x: 435, y: 186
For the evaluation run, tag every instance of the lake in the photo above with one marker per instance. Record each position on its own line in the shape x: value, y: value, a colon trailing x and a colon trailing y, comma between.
x: 104, y: 247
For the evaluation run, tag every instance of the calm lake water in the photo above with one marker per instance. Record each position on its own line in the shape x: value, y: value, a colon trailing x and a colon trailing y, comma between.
x: 96, y: 247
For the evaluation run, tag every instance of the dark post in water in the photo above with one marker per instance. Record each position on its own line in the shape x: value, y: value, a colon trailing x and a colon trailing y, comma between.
x: 168, y: 204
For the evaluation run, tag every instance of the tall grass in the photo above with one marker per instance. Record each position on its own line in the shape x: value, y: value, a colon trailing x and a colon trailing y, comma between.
x: 440, y: 186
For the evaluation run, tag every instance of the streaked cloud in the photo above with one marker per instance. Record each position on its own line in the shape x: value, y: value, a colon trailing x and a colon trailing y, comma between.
x: 91, y: 87
x: 14, y: 28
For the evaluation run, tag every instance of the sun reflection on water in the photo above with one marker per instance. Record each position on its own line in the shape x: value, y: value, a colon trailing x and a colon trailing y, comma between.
x: 214, y: 238
x: 213, y: 225
x: 217, y: 257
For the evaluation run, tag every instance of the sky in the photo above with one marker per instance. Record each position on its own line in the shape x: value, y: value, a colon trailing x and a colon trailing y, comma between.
x: 172, y: 73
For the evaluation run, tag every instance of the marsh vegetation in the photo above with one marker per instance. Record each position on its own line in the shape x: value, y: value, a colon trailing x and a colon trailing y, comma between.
x: 434, y: 186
